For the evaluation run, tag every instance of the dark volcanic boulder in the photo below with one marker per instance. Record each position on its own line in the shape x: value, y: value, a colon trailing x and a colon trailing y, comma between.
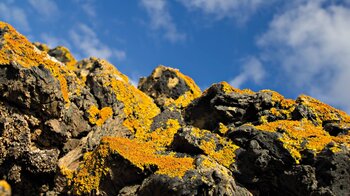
x: 222, y: 103
x: 168, y: 86
x: 290, y: 157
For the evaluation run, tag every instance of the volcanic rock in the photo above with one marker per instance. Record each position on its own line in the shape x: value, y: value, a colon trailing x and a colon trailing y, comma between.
x: 168, y: 86
x: 81, y: 128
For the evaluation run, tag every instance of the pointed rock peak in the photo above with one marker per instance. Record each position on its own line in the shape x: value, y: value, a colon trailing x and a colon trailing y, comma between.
x: 63, y: 55
x: 95, y: 65
x: 41, y: 46
x: 168, y: 86
x: 14, y: 47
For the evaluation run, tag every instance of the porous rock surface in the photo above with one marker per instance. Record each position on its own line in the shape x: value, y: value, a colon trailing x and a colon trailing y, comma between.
x: 81, y: 128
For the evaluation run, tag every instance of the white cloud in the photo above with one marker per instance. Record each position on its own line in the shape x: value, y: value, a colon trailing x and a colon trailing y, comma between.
x: 46, y: 8
x: 89, y: 8
x: 120, y: 54
x: 311, y: 42
x: 87, y: 42
x: 15, y: 16
x: 252, y: 71
x: 52, y: 41
x: 240, y: 9
x: 162, y: 20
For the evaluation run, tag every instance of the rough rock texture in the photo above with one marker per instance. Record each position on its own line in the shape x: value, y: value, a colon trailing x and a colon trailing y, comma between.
x: 169, y: 87
x: 80, y: 128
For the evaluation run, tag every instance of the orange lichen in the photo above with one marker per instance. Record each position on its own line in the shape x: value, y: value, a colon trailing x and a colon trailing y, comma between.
x: 68, y: 58
x: 225, y: 156
x: 279, y: 100
x: 322, y: 111
x: 16, y: 48
x: 138, y: 107
x: 89, y: 174
x: 140, y: 155
x: 227, y: 88
x: 108, y: 70
x: 223, y: 128
x: 161, y: 137
x: 186, y: 98
x: 41, y: 46
x: 97, y: 116
x: 5, y: 187
x: 143, y: 155
x: 300, y: 135
x: 282, y: 107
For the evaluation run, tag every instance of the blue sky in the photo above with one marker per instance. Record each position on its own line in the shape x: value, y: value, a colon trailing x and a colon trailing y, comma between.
x: 293, y: 47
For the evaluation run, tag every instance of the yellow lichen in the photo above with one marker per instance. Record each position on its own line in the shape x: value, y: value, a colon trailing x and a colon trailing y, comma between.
x: 89, y: 174
x: 227, y: 88
x: 322, y: 111
x: 16, y: 48
x: 41, y: 46
x: 282, y: 107
x: 186, y: 98
x: 161, y: 137
x: 223, y: 128
x: 182, y: 101
x: 138, y: 107
x: 140, y: 154
x: 69, y: 59
x: 97, y: 116
x: 143, y: 155
x: 225, y: 156
x: 5, y: 187
x: 300, y: 135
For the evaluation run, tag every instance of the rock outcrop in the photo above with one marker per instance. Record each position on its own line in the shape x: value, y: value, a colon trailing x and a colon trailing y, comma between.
x: 81, y: 128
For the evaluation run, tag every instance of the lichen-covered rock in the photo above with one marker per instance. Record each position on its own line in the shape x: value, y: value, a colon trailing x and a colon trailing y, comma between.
x: 52, y: 110
x: 62, y: 54
x: 5, y: 188
x: 224, y: 104
x: 208, y: 178
x: 168, y: 86
x: 112, y: 89
x: 120, y: 162
x: 288, y: 153
x: 192, y: 140
x: 81, y: 128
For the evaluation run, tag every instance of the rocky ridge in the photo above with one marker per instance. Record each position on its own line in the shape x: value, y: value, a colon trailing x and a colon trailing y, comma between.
x: 72, y: 127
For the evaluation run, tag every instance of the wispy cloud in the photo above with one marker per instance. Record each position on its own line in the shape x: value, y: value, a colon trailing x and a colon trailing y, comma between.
x: 88, y: 6
x: 252, y: 71
x: 160, y: 19
x: 88, y: 43
x: 238, y: 9
x: 53, y: 41
x: 89, y: 9
x: 311, y: 42
x: 46, y: 8
x: 14, y: 15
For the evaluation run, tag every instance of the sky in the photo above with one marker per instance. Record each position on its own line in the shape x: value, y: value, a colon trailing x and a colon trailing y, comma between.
x: 293, y: 47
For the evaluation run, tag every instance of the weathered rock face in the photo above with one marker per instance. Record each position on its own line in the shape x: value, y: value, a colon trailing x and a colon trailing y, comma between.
x: 80, y: 128
x: 169, y: 87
